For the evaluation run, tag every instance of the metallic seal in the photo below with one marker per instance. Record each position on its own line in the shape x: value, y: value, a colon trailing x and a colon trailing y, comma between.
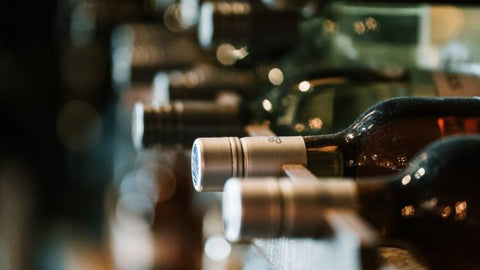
x: 214, y: 160
x: 278, y: 207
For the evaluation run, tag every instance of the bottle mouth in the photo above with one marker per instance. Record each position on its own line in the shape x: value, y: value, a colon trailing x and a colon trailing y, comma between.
x: 154, y: 124
x: 205, y: 25
x: 197, y: 165
x: 214, y: 160
x: 138, y: 127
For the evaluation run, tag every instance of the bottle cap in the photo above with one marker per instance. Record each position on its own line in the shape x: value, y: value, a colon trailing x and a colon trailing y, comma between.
x: 214, y: 160
x: 182, y: 122
x: 269, y: 207
x: 241, y: 217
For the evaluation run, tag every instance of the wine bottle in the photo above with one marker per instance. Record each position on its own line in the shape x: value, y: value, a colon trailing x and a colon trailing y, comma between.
x: 381, y: 141
x: 204, y: 82
x: 315, y: 102
x: 367, y: 34
x: 251, y: 30
x: 140, y: 63
x: 431, y: 204
x: 293, y: 109
x: 180, y: 122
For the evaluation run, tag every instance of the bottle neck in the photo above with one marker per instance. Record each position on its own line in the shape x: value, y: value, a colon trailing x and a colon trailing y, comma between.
x: 324, y: 142
x: 325, y: 162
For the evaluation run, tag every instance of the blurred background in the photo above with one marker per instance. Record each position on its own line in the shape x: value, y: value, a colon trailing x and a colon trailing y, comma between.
x: 73, y: 192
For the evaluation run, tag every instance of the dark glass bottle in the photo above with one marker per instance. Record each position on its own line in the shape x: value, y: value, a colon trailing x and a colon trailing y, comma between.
x: 181, y: 122
x: 325, y: 101
x: 204, y: 82
x: 301, y: 106
x: 381, y: 141
x: 251, y: 31
x: 432, y: 204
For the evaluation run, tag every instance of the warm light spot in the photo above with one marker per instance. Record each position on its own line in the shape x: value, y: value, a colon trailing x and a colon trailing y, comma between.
x: 275, y: 76
x: 191, y: 79
x: 224, y: 8
x: 419, y: 173
x: 441, y: 126
x: 299, y: 127
x: 371, y: 23
x: 446, y: 211
x: 166, y: 108
x: 267, y: 105
x: 330, y: 27
x: 315, y: 123
x: 406, y: 179
x: 240, y: 8
x: 460, y: 206
x: 408, y: 211
x: 304, y: 86
x: 359, y: 28
x: 460, y: 210
x: 228, y: 55
x: 402, y: 160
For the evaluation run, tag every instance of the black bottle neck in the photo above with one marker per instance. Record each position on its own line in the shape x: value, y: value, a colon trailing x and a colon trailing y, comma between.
x: 384, y: 138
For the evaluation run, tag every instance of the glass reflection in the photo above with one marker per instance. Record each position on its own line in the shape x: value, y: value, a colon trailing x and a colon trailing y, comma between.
x: 408, y: 211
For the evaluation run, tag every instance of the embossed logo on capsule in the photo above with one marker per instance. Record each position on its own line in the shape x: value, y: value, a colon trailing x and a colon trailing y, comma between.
x: 275, y: 140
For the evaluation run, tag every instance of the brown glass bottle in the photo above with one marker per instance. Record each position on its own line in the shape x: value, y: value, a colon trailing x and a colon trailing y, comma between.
x: 385, y: 137
x: 380, y: 142
x: 432, y: 205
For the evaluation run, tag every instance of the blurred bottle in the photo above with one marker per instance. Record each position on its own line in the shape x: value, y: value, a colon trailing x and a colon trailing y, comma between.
x: 380, y: 142
x: 379, y: 35
x: 364, y: 34
x: 153, y: 213
x: 328, y: 100
x: 180, y: 122
x: 204, y: 82
x: 431, y: 204
x: 316, y: 5
x: 297, y: 106
x: 244, y: 31
x: 141, y: 50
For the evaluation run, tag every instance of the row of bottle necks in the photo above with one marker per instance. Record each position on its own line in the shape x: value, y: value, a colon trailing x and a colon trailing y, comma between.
x: 337, y: 124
